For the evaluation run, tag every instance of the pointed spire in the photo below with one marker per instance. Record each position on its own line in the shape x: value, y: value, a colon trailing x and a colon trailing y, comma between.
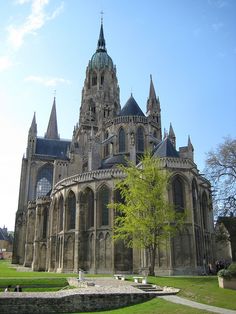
x: 172, y: 135
x: 101, y: 41
x: 52, y: 132
x: 152, y: 93
x: 171, y: 131
x: 33, y: 127
x: 190, y: 145
x: 153, y: 103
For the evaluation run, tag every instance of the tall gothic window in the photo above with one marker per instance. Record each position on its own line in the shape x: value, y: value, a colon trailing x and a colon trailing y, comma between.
x: 87, y: 201
x: 94, y: 79
x: 140, y: 139
x: 194, y: 200
x: 106, y: 148
x: 71, y: 210
x: 178, y: 194
x: 102, y: 79
x: 204, y: 210
x: 61, y: 207
x: 45, y: 222
x: 103, y: 202
x: 44, y: 180
x: 121, y: 140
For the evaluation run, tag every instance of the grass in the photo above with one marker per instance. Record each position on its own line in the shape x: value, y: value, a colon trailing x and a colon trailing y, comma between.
x: 31, y: 281
x: 202, y: 289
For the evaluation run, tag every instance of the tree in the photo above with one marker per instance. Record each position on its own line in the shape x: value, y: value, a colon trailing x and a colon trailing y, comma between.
x: 145, y: 219
x: 221, y: 171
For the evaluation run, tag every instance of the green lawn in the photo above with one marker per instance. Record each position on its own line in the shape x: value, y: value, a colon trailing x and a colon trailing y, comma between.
x: 202, y: 289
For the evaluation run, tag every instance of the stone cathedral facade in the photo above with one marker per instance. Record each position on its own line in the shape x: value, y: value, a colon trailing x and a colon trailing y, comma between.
x: 62, y: 221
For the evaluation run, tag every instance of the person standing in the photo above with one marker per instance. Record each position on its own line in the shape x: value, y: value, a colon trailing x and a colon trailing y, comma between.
x: 8, y: 288
x: 18, y: 289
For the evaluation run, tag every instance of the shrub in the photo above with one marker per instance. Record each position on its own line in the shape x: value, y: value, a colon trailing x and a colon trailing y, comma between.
x: 228, y: 273
x: 232, y: 269
x: 224, y: 273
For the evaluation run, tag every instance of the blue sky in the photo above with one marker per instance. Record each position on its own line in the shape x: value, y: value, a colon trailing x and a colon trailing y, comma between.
x: 189, y: 47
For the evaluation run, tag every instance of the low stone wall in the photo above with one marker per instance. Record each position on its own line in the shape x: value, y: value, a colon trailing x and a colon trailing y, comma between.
x: 66, y: 301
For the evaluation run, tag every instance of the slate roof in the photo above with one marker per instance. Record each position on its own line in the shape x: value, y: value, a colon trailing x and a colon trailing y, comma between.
x: 165, y: 149
x: 53, y: 148
x: 112, y: 161
x: 131, y: 108
x: 5, y: 236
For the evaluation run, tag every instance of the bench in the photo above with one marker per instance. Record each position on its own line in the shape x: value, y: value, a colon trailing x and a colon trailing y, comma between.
x: 119, y: 276
x: 140, y: 279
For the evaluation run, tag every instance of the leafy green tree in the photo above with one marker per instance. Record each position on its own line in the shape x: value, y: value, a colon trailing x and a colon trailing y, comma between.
x: 145, y: 219
x: 221, y: 171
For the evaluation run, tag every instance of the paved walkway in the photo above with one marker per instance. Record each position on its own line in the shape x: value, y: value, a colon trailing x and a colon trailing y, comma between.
x: 179, y: 300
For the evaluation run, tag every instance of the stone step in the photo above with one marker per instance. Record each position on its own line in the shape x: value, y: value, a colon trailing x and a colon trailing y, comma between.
x: 149, y: 288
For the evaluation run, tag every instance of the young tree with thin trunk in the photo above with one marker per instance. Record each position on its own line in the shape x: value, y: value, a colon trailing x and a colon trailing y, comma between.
x: 145, y: 219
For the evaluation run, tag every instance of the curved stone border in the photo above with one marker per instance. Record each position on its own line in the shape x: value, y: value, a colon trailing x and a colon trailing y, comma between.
x: 73, y: 300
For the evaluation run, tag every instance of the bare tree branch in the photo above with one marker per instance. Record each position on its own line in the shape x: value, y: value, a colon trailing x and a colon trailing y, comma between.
x: 221, y: 172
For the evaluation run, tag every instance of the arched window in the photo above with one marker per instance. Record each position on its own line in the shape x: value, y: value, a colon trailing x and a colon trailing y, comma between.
x: 140, y: 140
x: 204, y: 210
x: 45, y: 222
x: 44, y: 180
x: 71, y: 210
x: 155, y: 134
x: 103, y: 202
x: 92, y: 110
x: 178, y: 194
x: 87, y: 201
x: 121, y: 140
x: 106, y: 148
x: 94, y: 79
x: 61, y: 205
x: 194, y: 200
x: 102, y: 79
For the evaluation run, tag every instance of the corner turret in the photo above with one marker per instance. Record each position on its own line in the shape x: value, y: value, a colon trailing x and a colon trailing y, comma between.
x: 32, y: 136
x: 187, y: 151
x: 154, y: 111
x: 172, y: 136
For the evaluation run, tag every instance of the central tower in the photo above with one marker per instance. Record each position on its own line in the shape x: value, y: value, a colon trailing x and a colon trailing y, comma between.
x: 101, y: 94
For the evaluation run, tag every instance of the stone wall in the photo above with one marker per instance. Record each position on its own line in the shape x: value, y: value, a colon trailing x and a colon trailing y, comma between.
x: 66, y: 301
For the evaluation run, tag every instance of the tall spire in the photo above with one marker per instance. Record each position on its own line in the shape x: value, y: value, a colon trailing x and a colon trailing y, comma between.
x: 152, y: 93
x: 153, y: 103
x: 33, y: 127
x: 52, y: 132
x: 101, y: 41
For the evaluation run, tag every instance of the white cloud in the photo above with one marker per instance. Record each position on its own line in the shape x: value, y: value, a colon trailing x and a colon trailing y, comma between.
x: 5, y: 63
x: 33, y: 22
x: 217, y: 26
x: 47, y: 81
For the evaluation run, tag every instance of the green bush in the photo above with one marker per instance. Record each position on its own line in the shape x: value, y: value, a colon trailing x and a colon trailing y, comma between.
x: 228, y: 273
x: 232, y: 269
x: 224, y: 273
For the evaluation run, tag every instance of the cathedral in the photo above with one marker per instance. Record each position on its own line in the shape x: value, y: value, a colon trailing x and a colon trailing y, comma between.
x: 63, y: 223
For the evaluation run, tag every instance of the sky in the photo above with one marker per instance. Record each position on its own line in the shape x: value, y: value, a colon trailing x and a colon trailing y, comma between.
x: 188, y: 46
